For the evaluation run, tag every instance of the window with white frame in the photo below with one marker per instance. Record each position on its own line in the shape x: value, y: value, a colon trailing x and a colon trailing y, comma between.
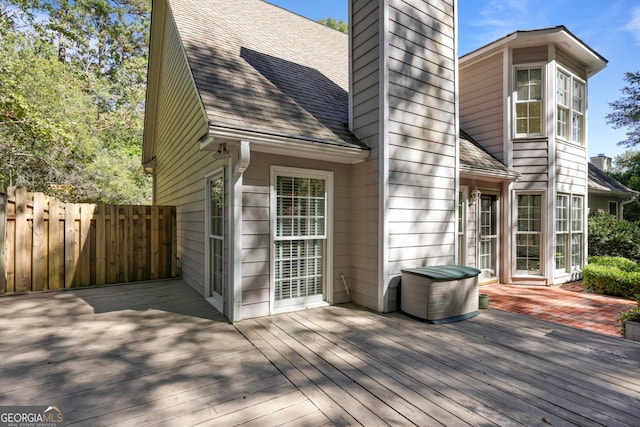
x: 570, y: 111
x: 528, y: 233
x: 300, y: 239
x: 528, y: 101
x: 569, y: 232
x: 613, y: 208
x: 577, y: 224
x: 461, y: 227
x: 562, y: 231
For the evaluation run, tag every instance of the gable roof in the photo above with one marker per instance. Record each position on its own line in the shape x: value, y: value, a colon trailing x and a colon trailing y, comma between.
x: 475, y: 160
x: 602, y: 183
x: 260, y: 68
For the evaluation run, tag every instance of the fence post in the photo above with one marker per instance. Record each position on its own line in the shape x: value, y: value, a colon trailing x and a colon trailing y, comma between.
x: 38, y: 248
x: 101, y: 244
x: 69, y: 244
x: 56, y: 252
x: 23, y: 257
x: 3, y: 242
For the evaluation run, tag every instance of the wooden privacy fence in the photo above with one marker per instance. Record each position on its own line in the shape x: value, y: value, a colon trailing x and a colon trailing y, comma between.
x: 47, y: 244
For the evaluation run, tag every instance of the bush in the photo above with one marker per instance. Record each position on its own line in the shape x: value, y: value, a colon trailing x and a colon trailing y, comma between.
x: 615, y: 276
x: 609, y: 236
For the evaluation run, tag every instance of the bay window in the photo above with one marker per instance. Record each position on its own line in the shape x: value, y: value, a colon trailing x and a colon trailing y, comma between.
x: 570, y: 111
x: 569, y: 233
x: 528, y: 233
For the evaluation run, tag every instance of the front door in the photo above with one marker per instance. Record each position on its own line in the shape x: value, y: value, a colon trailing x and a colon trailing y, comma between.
x: 488, y: 238
x: 215, y: 240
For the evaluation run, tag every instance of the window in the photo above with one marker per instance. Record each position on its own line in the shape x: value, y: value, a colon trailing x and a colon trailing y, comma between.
x: 300, y: 236
x: 576, y: 231
x: 461, y: 227
x: 215, y: 239
x: 562, y: 231
x: 569, y: 232
x: 528, y: 233
x: 613, y: 208
x: 571, y: 101
x: 528, y: 101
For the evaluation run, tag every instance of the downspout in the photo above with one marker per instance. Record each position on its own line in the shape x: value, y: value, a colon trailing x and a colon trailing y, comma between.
x: 241, y: 165
x: 626, y: 202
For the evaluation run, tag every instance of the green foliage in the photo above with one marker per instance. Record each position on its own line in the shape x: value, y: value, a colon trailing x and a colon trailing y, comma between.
x: 615, y: 276
x: 340, y: 25
x: 633, y: 315
x: 610, y: 236
x: 627, y: 171
x: 72, y: 90
x: 626, y: 110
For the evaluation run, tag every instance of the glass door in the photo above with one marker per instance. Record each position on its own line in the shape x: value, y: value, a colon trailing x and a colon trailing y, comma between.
x: 488, y: 238
x: 215, y: 240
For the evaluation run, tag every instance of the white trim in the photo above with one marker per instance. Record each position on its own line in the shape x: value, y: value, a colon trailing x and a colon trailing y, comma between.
x: 550, y: 111
x: 284, y: 145
x: 234, y: 261
x: 545, y: 102
x: 507, y: 127
x: 518, y: 274
x: 383, y: 159
x: 327, y: 176
x: 456, y: 83
x: 216, y: 300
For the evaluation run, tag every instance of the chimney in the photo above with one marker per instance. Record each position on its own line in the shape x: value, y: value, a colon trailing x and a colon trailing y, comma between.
x: 602, y: 162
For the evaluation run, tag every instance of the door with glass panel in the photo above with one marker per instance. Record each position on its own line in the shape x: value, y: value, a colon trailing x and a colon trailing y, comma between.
x: 488, y: 238
x: 215, y: 240
x: 300, y: 240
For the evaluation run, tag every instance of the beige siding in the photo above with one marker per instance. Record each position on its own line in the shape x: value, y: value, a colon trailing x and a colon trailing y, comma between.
x: 256, y: 232
x: 181, y: 167
x: 482, y: 103
x: 570, y: 63
x: 530, y: 158
x: 365, y: 32
x: 571, y: 168
x: 598, y: 202
x: 421, y: 211
x: 530, y: 54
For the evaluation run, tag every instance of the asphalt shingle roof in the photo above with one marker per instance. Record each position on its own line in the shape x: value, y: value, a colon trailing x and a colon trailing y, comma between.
x: 476, y: 158
x: 260, y: 67
x: 600, y: 181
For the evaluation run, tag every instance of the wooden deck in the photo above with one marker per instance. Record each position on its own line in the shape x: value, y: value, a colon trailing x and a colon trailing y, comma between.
x: 158, y: 354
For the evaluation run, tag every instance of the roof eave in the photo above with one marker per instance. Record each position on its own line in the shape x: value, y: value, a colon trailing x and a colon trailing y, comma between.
x: 467, y: 171
x: 284, y: 145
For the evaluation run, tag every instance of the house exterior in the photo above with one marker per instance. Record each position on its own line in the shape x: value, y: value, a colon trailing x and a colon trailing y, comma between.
x: 524, y: 97
x: 605, y: 193
x: 309, y: 167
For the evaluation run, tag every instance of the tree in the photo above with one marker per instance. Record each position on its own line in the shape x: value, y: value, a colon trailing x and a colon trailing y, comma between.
x: 93, y: 52
x: 626, y: 110
x: 626, y: 170
x: 340, y: 25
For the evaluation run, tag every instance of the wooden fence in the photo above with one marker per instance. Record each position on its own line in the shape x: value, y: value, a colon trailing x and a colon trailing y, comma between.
x: 47, y: 244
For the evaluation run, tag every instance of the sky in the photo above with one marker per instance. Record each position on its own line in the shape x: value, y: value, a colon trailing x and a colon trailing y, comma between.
x: 610, y: 27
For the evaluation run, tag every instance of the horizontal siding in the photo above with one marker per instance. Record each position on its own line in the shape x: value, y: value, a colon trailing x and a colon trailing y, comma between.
x: 365, y: 30
x: 422, y: 131
x: 482, y: 103
x: 570, y: 63
x: 530, y: 158
x: 181, y: 167
x: 571, y: 168
x: 256, y: 231
x: 530, y: 54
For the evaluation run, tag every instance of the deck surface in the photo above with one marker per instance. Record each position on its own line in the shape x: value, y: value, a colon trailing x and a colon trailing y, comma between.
x: 158, y: 354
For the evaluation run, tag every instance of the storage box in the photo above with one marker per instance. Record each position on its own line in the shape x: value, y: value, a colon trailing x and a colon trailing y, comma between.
x: 440, y: 294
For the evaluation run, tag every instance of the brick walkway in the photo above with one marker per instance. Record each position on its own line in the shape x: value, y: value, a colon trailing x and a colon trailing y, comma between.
x: 571, y: 306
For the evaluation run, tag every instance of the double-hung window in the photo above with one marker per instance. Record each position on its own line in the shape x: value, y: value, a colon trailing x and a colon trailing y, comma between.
x: 569, y: 232
x: 570, y: 111
x: 528, y: 234
x: 301, y: 233
x: 528, y: 101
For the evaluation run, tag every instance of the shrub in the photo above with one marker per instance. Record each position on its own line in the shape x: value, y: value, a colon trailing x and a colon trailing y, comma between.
x: 612, y: 237
x: 612, y: 276
x: 633, y: 315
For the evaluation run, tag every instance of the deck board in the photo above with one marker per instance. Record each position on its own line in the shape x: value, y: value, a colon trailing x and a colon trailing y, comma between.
x: 156, y: 353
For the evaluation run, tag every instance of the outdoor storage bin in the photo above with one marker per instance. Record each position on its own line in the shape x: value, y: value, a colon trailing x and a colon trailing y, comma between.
x: 440, y: 294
